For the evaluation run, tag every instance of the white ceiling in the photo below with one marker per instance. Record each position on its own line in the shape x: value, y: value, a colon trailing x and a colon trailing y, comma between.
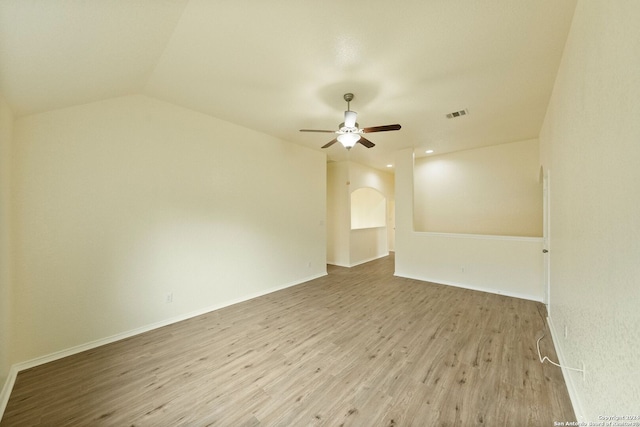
x: 280, y: 66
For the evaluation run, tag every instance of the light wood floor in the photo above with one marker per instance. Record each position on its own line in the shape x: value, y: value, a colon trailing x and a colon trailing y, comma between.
x: 356, y: 348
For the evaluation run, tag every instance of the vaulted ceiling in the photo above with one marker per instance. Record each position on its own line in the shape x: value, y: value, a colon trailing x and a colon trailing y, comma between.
x: 279, y: 66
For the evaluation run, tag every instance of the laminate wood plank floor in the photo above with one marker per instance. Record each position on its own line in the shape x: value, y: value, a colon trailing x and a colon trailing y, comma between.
x: 358, y: 347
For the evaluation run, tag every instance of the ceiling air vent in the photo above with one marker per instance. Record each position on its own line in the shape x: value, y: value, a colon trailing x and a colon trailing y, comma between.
x: 457, y: 114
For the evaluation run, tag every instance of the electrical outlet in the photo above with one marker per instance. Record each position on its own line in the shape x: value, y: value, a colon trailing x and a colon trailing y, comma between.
x: 169, y: 298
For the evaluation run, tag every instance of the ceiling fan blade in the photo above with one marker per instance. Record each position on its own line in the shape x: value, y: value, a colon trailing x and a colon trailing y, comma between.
x: 364, y: 141
x: 381, y: 128
x: 350, y: 118
x: 330, y: 143
x: 317, y: 130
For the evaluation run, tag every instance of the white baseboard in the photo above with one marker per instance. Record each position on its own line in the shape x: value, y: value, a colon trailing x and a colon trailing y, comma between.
x: 6, y: 389
x: 21, y: 366
x: 339, y: 264
x: 369, y: 260
x: 475, y: 288
x: 568, y: 379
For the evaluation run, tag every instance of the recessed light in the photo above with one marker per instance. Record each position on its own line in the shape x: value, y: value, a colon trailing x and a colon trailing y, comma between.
x: 429, y: 151
x: 389, y: 166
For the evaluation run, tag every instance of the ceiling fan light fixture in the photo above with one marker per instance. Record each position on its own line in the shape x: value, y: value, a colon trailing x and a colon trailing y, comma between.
x: 348, y: 140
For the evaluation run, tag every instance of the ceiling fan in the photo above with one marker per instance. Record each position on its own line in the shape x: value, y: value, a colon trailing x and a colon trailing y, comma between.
x: 349, y: 133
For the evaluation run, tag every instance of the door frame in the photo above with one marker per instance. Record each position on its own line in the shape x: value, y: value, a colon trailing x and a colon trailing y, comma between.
x: 546, y: 237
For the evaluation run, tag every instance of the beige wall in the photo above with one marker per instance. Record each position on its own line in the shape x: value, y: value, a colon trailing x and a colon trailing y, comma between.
x: 121, y: 202
x: 6, y: 127
x: 348, y: 247
x: 368, y: 208
x: 499, y: 264
x: 591, y: 146
x: 492, y: 190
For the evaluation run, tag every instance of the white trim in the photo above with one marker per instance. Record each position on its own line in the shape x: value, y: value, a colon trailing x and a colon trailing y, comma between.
x: 359, y: 262
x: 338, y: 264
x: 568, y: 379
x: 473, y: 288
x: 477, y: 236
x: 6, y: 390
x: 369, y: 260
x: 367, y: 228
x: 546, y: 236
x: 21, y: 366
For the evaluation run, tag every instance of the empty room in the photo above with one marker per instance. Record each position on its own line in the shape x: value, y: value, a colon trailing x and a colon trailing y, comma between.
x: 337, y: 213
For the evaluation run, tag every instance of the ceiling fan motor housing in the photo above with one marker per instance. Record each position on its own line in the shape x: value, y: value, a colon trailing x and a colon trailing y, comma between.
x: 346, y: 129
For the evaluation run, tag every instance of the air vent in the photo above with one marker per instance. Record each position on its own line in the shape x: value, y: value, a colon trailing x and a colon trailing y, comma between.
x: 457, y: 114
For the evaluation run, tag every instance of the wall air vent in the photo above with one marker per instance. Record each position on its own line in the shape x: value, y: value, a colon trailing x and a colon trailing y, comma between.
x: 457, y: 114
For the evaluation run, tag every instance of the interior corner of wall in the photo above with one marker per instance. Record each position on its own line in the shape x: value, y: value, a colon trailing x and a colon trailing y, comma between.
x: 541, y: 174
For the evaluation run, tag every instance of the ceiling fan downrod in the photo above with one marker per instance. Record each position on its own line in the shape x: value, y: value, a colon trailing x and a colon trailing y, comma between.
x: 348, y: 97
